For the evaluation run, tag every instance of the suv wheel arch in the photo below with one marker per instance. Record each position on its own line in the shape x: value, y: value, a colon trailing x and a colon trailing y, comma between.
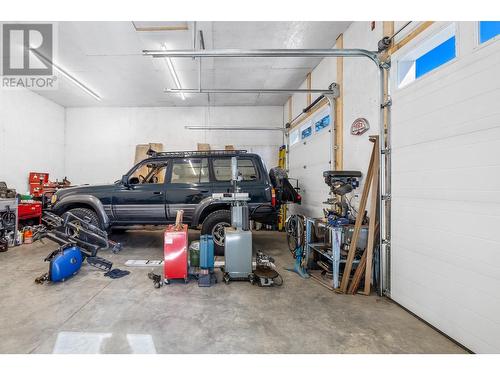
x: 82, y: 201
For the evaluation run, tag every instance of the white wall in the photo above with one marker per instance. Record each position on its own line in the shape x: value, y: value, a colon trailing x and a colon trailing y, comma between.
x: 100, y: 142
x: 31, y: 137
x: 361, y: 99
x: 445, y: 258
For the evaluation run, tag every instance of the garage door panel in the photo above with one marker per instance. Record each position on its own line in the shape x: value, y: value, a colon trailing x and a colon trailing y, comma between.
x: 463, y: 121
x: 451, y: 259
x: 445, y: 219
x: 437, y: 106
x: 313, y: 154
x: 447, y: 315
x: 461, y: 247
x: 474, y: 149
x: 470, y: 217
x: 429, y: 193
x: 421, y: 273
x: 478, y: 66
x: 467, y: 181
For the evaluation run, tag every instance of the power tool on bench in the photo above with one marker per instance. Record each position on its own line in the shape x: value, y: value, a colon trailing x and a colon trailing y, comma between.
x: 341, y: 183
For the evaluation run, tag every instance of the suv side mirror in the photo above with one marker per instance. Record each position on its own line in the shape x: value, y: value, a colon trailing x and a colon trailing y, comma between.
x: 125, y: 180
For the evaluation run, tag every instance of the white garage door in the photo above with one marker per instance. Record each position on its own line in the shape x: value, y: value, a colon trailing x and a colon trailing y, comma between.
x: 445, y: 253
x: 308, y: 159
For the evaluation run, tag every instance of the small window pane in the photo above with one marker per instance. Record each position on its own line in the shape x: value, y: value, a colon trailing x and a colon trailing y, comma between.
x: 307, y: 132
x: 488, y: 30
x: 427, y: 55
x: 294, y: 137
x: 190, y: 171
x: 322, y: 123
x: 435, y: 57
x: 222, y: 169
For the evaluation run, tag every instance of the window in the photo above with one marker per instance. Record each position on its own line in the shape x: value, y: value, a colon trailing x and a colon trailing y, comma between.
x: 435, y: 57
x: 222, y: 169
x: 306, y: 131
x: 190, y: 171
x: 149, y: 173
x: 294, y: 137
x: 322, y: 123
x: 429, y: 55
x: 488, y: 30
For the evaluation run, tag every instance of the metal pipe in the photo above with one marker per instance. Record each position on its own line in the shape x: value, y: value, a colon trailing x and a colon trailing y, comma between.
x: 223, y: 127
x: 385, y: 182
x: 248, y: 91
x: 388, y: 189
x: 341, y: 52
x: 333, y: 128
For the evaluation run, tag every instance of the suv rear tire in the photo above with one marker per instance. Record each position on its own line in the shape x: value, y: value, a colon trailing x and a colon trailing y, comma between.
x: 214, y: 225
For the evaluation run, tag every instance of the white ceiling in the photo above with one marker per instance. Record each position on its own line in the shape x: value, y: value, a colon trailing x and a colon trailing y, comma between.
x: 107, y: 57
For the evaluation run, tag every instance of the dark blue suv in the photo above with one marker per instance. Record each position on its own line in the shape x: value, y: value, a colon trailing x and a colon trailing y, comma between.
x: 154, y: 190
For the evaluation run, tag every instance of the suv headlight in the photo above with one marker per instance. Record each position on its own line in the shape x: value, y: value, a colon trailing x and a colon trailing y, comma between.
x: 53, y: 199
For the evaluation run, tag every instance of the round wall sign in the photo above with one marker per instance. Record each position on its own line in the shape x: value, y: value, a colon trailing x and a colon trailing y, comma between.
x: 359, y: 126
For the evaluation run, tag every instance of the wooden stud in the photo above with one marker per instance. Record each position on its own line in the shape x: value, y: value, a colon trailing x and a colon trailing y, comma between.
x: 372, y: 216
x: 290, y: 105
x: 357, y: 226
x: 309, y: 85
x: 356, y: 279
x: 411, y: 35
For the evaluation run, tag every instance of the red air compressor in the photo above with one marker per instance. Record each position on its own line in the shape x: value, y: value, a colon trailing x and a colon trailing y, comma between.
x: 175, y: 265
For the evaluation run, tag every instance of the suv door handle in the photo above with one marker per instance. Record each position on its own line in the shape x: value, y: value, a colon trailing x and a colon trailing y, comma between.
x: 157, y: 192
x: 204, y: 191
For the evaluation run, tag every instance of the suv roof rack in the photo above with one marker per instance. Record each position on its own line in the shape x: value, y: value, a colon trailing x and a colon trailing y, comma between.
x: 186, y: 154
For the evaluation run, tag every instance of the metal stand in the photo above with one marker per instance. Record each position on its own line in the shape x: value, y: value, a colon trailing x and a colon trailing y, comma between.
x: 330, y: 251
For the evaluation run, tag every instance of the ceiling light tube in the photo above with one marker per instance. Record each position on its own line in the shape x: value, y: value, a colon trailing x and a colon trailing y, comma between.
x: 173, y: 73
x: 70, y: 77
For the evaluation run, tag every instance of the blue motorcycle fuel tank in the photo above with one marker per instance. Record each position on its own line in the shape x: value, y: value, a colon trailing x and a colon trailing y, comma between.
x: 65, y: 263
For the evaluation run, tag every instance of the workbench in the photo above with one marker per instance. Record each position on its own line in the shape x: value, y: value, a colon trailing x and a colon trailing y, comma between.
x: 330, y: 248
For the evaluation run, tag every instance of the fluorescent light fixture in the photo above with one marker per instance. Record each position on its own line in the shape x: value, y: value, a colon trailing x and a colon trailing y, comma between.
x: 70, y: 77
x: 78, y: 83
x: 173, y: 73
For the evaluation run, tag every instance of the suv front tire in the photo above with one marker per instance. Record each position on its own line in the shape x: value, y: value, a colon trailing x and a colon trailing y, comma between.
x: 214, y: 225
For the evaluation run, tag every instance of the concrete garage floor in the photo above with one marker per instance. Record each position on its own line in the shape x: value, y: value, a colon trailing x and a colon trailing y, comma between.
x: 94, y: 314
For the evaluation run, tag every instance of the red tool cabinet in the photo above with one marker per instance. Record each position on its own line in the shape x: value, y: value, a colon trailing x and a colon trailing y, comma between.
x: 31, y: 210
x: 37, y: 181
x: 175, y: 265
